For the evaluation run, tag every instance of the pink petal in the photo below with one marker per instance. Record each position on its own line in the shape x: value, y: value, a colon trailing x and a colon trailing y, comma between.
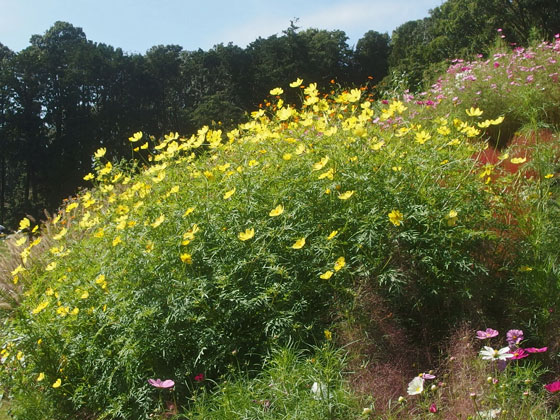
x: 155, y: 382
x: 168, y: 383
x: 536, y: 350
x: 553, y: 387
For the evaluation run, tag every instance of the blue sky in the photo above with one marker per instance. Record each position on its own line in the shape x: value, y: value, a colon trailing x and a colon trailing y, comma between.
x: 137, y: 25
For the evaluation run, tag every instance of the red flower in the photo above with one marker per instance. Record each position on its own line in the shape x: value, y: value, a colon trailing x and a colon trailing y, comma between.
x: 553, y: 387
x: 199, y: 377
x: 433, y: 408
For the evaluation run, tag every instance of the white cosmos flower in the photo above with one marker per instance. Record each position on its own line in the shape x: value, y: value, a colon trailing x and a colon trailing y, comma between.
x: 319, y: 391
x: 488, y: 353
x: 490, y: 414
x: 416, y: 386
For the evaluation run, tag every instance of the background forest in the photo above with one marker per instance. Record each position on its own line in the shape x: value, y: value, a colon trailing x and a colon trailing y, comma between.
x: 65, y: 96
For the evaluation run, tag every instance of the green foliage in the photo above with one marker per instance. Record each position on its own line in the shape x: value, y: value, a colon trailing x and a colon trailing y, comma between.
x: 223, y: 247
x: 293, y: 384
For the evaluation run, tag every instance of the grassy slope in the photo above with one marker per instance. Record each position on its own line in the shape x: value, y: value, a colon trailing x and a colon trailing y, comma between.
x: 154, y: 289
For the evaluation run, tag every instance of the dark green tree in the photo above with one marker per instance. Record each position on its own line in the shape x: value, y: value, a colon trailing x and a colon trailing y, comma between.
x: 371, y: 57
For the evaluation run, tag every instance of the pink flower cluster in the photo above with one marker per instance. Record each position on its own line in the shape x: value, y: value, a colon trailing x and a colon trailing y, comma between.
x: 513, y: 337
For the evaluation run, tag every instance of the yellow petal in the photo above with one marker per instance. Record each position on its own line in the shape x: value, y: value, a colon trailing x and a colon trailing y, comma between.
x: 346, y: 195
x: 299, y: 243
x: 57, y: 383
x: 326, y: 275
x: 340, y: 262
x: 248, y: 234
x: 229, y: 193
x: 277, y: 211
x: 332, y: 234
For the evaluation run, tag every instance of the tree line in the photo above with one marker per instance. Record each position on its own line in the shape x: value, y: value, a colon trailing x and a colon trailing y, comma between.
x: 64, y: 96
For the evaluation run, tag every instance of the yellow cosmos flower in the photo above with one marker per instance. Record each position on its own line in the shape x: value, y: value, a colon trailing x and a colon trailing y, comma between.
x: 229, y: 193
x: 396, y: 217
x: 158, y: 221
x: 451, y: 218
x: 277, y: 211
x: 328, y: 335
x: 339, y: 264
x: 497, y: 121
x: 277, y: 91
x: 328, y: 174
x: 84, y: 295
x: 548, y: 176
x: 285, y: 113
x: 332, y: 235
x: 40, y: 307
x: 99, y: 233
x: 377, y: 145
x: 51, y: 266
x: 24, y: 223
x: 326, y: 275
x: 57, y: 383
x: 346, y: 195
x: 188, y: 211
x: 21, y: 241
x: 321, y: 164
x: 422, y: 137
x: 17, y: 270
x: 287, y: 156
x: 296, y: 83
x: 88, y: 177
x: 117, y: 241
x: 60, y: 234
x: 40, y: 377
x: 299, y: 243
x: 474, y: 112
x: 518, y: 160
x: 100, y: 152
x: 135, y: 137
x: 248, y: 234
x: 186, y: 258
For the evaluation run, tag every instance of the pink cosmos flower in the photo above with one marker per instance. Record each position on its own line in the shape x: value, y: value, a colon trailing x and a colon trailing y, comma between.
x: 514, y: 337
x: 433, y: 408
x: 519, y: 354
x: 427, y: 376
x: 553, y: 387
x: 489, y: 333
x: 536, y: 350
x: 158, y: 383
x: 199, y: 377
